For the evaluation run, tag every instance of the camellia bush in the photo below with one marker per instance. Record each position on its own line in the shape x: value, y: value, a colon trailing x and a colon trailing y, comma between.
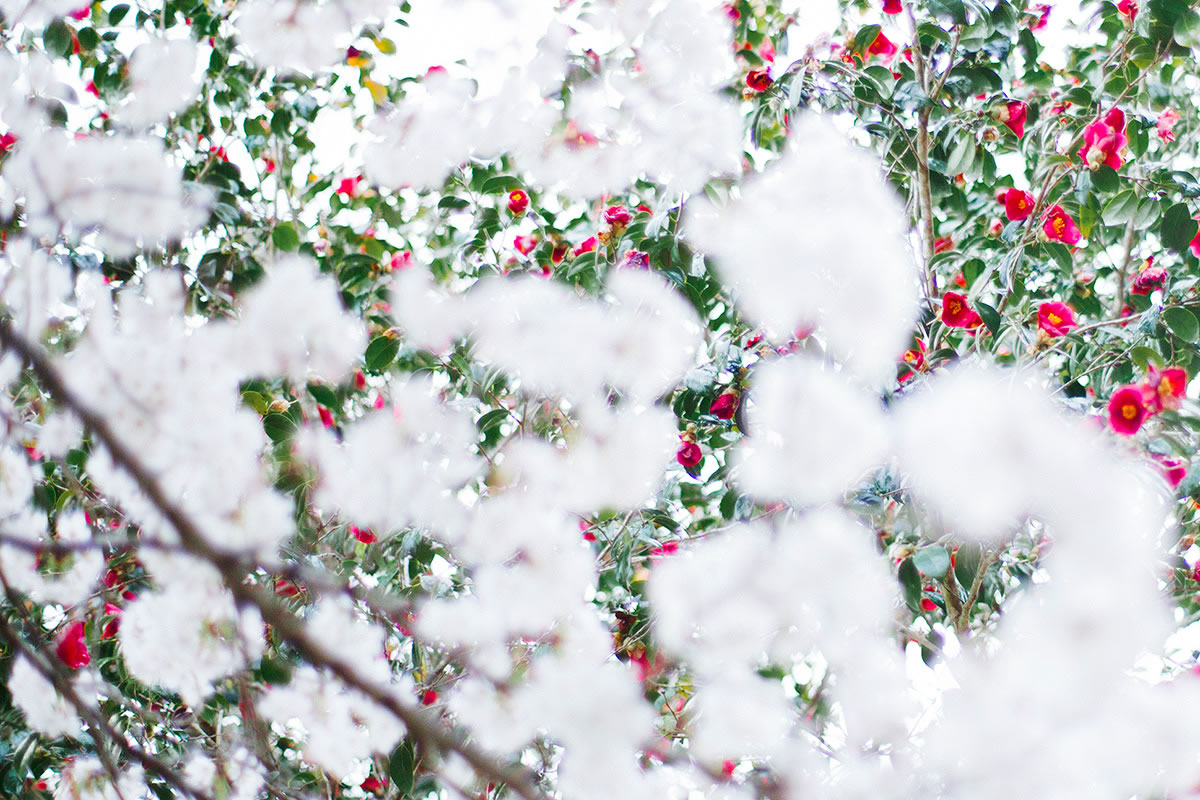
x: 595, y: 399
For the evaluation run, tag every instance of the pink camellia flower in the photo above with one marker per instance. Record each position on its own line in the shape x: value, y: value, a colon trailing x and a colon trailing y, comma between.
x: 1164, y: 389
x: 1056, y: 319
x: 1018, y: 205
x: 518, y: 201
x: 943, y: 244
x: 1059, y: 227
x: 1013, y: 114
x: 80, y: 13
x: 525, y: 244
x: 71, y: 648
x: 1148, y: 279
x: 635, y: 259
x: 1127, y: 410
x: 113, y: 625
x: 586, y: 246
x: 1104, y: 141
x: 1165, y: 127
x: 689, y: 454
x: 349, y: 186
x: 401, y: 260
x: 617, y: 216
x: 883, y: 47
x: 732, y: 12
x: 759, y: 80
x: 1129, y: 8
x: 1043, y: 12
x: 1173, y: 470
x: 957, y: 314
x: 364, y: 535
x: 892, y: 7
x: 326, y: 416
x: 373, y: 785
x: 724, y: 406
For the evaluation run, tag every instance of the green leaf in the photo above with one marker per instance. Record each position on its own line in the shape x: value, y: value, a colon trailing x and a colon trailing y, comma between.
x: 910, y: 581
x: 492, y: 419
x: 1120, y: 209
x: 88, y: 39
x: 990, y: 316
x: 401, y: 767
x: 932, y: 561
x: 1178, y: 227
x: 1106, y: 179
x: 255, y: 401
x: 1187, y: 29
x: 1182, y: 323
x: 278, y: 426
x: 962, y: 157
x: 323, y: 395
x: 56, y: 38
x: 381, y: 352
x: 500, y: 184
x: 966, y: 563
x: 1142, y: 356
x: 285, y: 237
x: 955, y: 9
x: 117, y: 13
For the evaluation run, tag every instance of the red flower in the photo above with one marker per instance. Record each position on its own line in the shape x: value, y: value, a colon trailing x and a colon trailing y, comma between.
x: 1018, y: 205
x: 364, y: 535
x: 7, y: 142
x: 1056, y: 319
x: 915, y: 358
x: 219, y: 152
x: 373, y: 785
x: 1126, y: 410
x: 635, y: 259
x: 71, y: 649
x: 883, y: 47
x: 1165, y: 127
x: 943, y: 244
x: 285, y: 588
x: 401, y: 260
x: 1164, y: 389
x: 428, y: 697
x: 617, y: 216
x: 113, y: 625
x: 1059, y: 227
x: 759, y: 80
x: 586, y: 246
x: 349, y: 186
x: 724, y: 406
x: 1149, y: 279
x: 957, y: 314
x: 1104, y: 141
x: 928, y: 605
x: 80, y: 13
x: 1173, y: 470
x: 326, y: 416
x: 1013, y: 114
x: 892, y: 7
x: 518, y: 201
x: 1129, y: 8
x: 689, y: 454
x: 525, y: 244
x: 1043, y: 12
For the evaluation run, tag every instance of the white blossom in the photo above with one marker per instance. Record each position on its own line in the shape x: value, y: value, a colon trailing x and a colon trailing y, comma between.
x: 161, y: 75
x: 818, y: 240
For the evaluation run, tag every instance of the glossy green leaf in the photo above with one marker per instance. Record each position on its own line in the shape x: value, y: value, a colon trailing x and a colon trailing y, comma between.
x: 1182, y: 323
x: 932, y: 561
